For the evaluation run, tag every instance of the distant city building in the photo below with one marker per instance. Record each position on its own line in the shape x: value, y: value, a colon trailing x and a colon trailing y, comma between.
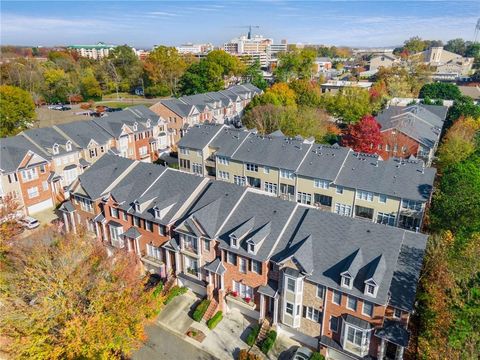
x: 446, y: 62
x: 384, y: 60
x: 190, y: 48
x: 98, y: 51
x: 322, y: 64
x: 142, y: 54
x: 334, y: 86
x: 372, y: 51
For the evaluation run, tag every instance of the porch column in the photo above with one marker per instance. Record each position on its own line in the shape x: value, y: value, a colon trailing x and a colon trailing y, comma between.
x: 399, y: 353
x: 381, y: 350
x: 137, y: 248
x: 262, y: 307
x: 177, y: 263
x: 97, y: 231
x: 129, y: 245
x: 65, y: 222
x: 275, y: 311
x: 222, y: 283
x: 168, y: 262
x: 104, y: 235
x: 74, y: 228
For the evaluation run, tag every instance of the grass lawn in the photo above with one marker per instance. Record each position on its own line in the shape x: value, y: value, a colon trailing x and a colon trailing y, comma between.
x: 123, y: 95
x: 123, y: 105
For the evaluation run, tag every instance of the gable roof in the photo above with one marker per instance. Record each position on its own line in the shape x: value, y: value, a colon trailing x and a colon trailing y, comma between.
x: 113, y: 123
x: 82, y: 132
x: 198, y: 137
x: 13, y: 151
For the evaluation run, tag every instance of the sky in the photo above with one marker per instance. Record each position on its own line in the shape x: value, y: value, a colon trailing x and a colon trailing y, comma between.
x: 142, y: 24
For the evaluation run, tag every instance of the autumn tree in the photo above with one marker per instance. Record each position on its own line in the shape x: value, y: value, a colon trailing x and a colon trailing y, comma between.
x: 463, y: 106
x: 277, y: 94
x: 89, y: 86
x: 307, y: 92
x: 295, y: 64
x: 57, y: 85
x: 414, y: 45
x: 349, y: 105
x: 63, y: 297
x: 127, y: 65
x: 17, y: 110
x: 363, y: 136
x: 164, y: 66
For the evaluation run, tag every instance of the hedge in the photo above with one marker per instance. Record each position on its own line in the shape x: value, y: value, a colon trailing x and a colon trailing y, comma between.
x: 245, y: 355
x: 215, y: 320
x: 158, y: 290
x: 252, y: 335
x: 200, y: 310
x: 317, y: 356
x: 174, y: 292
x: 268, y: 342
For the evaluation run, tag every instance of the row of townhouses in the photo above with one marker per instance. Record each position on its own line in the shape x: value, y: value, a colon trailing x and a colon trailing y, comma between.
x: 335, y: 283
x: 38, y: 165
x: 333, y: 178
x: 224, y: 106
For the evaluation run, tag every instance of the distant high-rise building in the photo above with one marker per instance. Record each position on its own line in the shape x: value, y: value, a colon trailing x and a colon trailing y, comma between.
x: 195, y: 49
x: 98, y: 51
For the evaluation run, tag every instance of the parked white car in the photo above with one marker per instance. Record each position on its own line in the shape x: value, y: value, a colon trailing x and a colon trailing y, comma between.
x: 30, y: 222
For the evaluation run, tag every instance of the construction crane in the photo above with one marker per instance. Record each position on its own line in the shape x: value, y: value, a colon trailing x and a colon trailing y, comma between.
x: 250, y: 27
x: 477, y: 30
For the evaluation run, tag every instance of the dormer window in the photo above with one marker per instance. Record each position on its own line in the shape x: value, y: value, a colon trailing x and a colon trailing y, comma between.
x: 148, y: 123
x: 233, y: 241
x: 136, y: 204
x: 251, y: 248
x: 68, y: 146
x: 157, y: 212
x: 370, y: 288
x: 55, y: 149
x: 347, y: 281
x: 135, y: 126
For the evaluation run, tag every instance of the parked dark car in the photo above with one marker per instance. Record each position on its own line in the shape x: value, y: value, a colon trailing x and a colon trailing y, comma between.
x: 109, y: 109
x: 65, y: 108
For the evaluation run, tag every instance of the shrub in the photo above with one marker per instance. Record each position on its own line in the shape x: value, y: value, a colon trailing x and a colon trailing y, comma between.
x: 174, y: 292
x: 158, y: 290
x: 317, y: 356
x: 200, y: 310
x: 215, y: 320
x: 268, y: 342
x: 244, y: 354
x: 252, y: 335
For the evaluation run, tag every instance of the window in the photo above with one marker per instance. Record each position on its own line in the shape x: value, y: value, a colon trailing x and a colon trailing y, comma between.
x: 239, y: 180
x: 114, y: 212
x: 311, y: 313
x: 184, y: 164
x: 223, y: 160
x: 29, y: 174
x: 44, y: 185
x: 266, y: 170
x: 379, y: 146
x: 243, y: 265
x: 287, y: 174
x: 409, y: 222
x: 411, y: 205
x: 69, y: 175
x: 352, y: 303
x: 42, y: 169
x: 343, y: 209
x: 364, y: 195
x: 404, y: 149
x: 289, y: 308
x: 387, y: 147
x: 382, y: 198
x: 334, y: 323
x: 116, y: 238
x: 161, y: 230
x: 12, y: 178
x: 322, y: 200
x: 136, y: 221
x: 304, y: 198
x: 242, y: 290
x: 386, y: 219
x: 224, y: 175
x: 354, y: 336
x: 231, y: 258
x: 256, y: 266
x: 370, y: 289
x: 85, y: 204
x: 336, y: 297
x: 206, y: 245
x: 254, y: 182
x: 55, y: 149
x: 320, y: 291
x: 364, y: 212
x: 252, y: 167
x: 397, y: 313
x: 367, y: 308
x: 189, y: 242
x: 197, y: 168
x: 321, y: 184
x: 33, y: 192
x: 124, y: 216
x: 251, y: 248
x: 154, y: 252
x: 148, y: 226
x: 290, y: 284
x: 347, y: 281
x: 68, y: 146
x: 92, y: 153
x: 199, y: 153
x: 270, y: 187
x: 339, y: 190
x: 143, y: 151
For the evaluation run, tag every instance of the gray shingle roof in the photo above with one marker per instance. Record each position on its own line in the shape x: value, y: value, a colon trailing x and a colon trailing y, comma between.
x: 324, y: 161
x: 394, y: 332
x: 13, y: 150
x: 199, y: 136
x: 139, y: 114
x: 178, y: 107
x: 406, y: 179
x: 46, y: 138
x: 82, y: 132
x: 335, y: 238
x: 228, y: 140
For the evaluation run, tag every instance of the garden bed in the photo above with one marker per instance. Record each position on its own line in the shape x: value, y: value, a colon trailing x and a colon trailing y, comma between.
x: 195, y: 334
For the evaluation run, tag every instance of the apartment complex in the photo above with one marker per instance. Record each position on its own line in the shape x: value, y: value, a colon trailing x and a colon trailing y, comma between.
x: 343, y: 285
x: 332, y: 178
x: 97, y: 51
x: 411, y: 131
x: 224, y: 106
x: 38, y: 165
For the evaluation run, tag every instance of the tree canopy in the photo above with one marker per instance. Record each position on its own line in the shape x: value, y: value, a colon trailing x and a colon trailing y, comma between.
x: 439, y: 90
x: 363, y: 136
x: 349, y: 104
x: 295, y: 64
x: 17, y: 110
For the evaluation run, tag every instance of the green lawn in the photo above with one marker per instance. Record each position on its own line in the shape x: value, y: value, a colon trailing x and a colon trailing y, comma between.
x: 123, y: 105
x: 121, y: 95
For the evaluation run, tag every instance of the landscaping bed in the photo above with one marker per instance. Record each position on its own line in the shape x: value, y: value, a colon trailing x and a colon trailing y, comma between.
x: 195, y: 334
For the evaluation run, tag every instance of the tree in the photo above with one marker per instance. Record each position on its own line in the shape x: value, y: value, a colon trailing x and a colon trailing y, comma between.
x: 278, y: 94
x: 307, y: 92
x: 127, y: 65
x: 202, y: 77
x: 231, y: 65
x: 349, y: 104
x: 164, y: 66
x: 414, y: 45
x: 63, y: 297
x: 363, y: 136
x: 57, y: 85
x: 459, y: 142
x: 462, y: 106
x: 253, y: 74
x: 17, y: 110
x: 456, y: 46
x: 439, y: 90
x: 295, y: 64
x: 89, y: 86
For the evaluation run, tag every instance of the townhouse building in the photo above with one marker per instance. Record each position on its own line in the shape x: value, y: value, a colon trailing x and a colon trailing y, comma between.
x: 38, y: 165
x: 333, y: 178
x: 411, y: 131
x: 334, y: 283
x: 221, y: 107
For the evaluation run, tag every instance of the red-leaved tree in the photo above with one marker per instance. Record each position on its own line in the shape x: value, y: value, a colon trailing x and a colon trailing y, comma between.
x: 363, y: 136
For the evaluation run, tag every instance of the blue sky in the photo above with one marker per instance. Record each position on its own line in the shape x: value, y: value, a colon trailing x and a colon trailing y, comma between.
x: 145, y: 23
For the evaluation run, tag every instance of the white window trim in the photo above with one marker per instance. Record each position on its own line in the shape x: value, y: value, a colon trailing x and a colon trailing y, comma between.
x: 363, y: 308
x: 348, y: 303
x: 333, y: 297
